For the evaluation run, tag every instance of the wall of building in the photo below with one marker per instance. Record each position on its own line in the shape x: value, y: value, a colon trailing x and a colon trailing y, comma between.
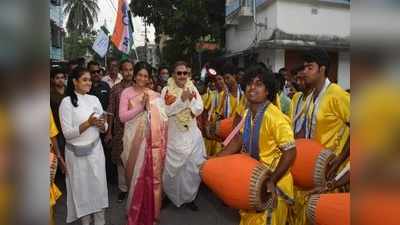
x: 272, y: 58
x: 313, y: 17
x: 242, y: 36
x: 291, y: 16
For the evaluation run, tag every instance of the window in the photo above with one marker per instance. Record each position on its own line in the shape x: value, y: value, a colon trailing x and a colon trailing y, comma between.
x: 56, y: 2
x: 56, y: 36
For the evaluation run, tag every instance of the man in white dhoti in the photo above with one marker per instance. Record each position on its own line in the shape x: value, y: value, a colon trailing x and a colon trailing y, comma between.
x: 185, y: 146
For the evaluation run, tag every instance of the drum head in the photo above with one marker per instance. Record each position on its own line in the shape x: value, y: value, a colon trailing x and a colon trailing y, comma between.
x: 259, y: 198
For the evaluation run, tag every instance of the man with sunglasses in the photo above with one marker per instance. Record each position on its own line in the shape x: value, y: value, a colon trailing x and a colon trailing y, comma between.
x: 185, y: 145
x: 100, y: 89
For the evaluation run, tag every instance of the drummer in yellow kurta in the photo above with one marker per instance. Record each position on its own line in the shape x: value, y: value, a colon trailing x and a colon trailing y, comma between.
x: 328, y: 117
x: 267, y: 136
x: 299, y: 103
x: 210, y: 101
x: 325, y: 116
x: 232, y: 102
x: 55, y: 193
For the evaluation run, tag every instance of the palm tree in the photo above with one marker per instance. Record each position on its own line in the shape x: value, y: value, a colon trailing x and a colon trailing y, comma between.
x: 82, y: 14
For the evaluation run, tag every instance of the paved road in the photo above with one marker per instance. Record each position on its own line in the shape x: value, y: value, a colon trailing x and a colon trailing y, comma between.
x: 211, y: 211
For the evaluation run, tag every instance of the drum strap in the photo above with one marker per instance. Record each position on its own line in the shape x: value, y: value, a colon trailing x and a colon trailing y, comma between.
x: 285, y: 197
x: 252, y: 131
x: 270, y: 210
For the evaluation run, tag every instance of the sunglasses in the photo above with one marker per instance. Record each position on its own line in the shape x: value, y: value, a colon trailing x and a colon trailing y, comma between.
x: 182, y: 73
x: 95, y: 71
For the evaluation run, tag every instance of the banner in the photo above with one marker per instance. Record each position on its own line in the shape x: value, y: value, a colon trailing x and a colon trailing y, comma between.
x: 100, y: 45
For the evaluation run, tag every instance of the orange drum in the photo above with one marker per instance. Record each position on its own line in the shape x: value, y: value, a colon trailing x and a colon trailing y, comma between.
x: 224, y: 127
x: 308, y: 169
x: 238, y: 180
x: 329, y: 209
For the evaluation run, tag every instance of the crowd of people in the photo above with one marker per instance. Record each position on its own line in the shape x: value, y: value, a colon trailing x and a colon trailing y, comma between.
x: 158, y: 129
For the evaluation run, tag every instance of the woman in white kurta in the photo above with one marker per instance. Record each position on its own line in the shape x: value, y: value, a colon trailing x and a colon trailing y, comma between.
x: 82, y: 119
x: 185, y: 145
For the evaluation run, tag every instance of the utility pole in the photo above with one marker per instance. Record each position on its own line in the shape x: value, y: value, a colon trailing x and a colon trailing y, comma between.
x: 145, y: 40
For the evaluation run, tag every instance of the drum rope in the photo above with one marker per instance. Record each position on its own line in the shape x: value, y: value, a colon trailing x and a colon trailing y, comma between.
x: 320, y: 167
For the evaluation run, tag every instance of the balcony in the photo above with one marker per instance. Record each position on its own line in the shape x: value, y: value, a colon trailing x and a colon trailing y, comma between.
x: 232, y: 7
x: 235, y: 5
x: 345, y: 2
x: 56, y: 14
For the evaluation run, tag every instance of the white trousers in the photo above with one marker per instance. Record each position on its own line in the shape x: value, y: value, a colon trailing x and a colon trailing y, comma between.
x: 98, y: 217
x: 121, y: 178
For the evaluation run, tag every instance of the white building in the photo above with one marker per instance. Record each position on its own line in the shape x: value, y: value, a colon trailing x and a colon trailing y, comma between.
x: 56, y: 30
x: 281, y: 29
x: 152, y: 56
x: 148, y: 54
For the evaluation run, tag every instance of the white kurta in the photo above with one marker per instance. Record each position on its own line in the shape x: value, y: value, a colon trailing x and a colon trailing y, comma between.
x: 185, y: 153
x: 86, y: 181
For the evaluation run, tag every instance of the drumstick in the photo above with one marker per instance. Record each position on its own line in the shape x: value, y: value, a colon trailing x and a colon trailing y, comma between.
x: 233, y: 133
x: 343, y: 172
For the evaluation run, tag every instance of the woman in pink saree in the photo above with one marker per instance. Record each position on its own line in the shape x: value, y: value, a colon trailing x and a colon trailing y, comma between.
x: 144, y: 140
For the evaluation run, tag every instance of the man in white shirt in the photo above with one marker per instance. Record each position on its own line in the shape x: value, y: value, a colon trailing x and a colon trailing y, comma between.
x: 113, y: 76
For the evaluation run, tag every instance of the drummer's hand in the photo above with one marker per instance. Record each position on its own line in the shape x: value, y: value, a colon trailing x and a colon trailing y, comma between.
x: 318, y: 190
x: 271, y: 188
x: 63, y: 166
x: 211, y: 157
x: 332, y: 168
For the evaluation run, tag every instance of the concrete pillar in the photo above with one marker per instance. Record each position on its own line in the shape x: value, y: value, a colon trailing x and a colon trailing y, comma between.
x: 344, y: 70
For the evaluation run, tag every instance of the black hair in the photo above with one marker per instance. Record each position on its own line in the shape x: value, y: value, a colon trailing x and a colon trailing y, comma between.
x: 266, y: 76
x: 92, y: 63
x: 282, y: 70
x: 162, y: 67
x: 110, y: 60
x: 179, y: 63
x: 56, y: 70
x: 123, y: 62
x: 297, y: 69
x: 263, y: 65
x: 280, y: 81
x: 229, y: 68
x: 70, y: 91
x: 142, y: 65
x: 319, y: 56
x: 73, y: 62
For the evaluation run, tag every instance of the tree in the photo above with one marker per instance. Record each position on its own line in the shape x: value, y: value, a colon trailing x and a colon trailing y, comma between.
x: 76, y: 45
x: 186, y: 22
x: 82, y: 14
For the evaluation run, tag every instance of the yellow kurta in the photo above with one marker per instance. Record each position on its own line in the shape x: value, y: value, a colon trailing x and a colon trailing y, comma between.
x: 236, y: 109
x: 297, y: 213
x: 332, y: 117
x: 53, y: 131
x: 331, y: 131
x: 212, y: 146
x: 55, y: 193
x: 234, y: 106
x: 241, y: 109
x: 275, y: 134
x: 294, y: 103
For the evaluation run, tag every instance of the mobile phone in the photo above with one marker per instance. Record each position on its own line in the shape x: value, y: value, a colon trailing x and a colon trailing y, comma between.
x: 105, y: 113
